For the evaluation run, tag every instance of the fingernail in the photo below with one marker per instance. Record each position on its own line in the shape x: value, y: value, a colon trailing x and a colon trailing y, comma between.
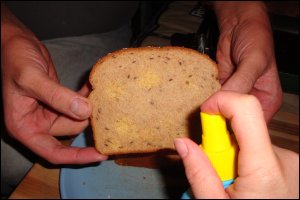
x: 80, y: 108
x: 101, y: 158
x: 181, y: 148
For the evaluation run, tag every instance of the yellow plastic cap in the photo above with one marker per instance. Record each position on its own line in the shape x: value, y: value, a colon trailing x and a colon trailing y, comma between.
x: 220, y: 147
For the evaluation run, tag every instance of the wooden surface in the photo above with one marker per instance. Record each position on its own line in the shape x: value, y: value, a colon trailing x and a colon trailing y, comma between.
x: 39, y: 183
x: 43, y: 183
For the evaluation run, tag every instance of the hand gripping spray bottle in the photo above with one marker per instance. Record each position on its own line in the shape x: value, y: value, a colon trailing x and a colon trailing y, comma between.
x: 220, y: 147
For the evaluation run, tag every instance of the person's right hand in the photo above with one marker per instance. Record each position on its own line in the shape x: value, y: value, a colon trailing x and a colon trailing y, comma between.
x: 264, y: 171
x: 36, y: 107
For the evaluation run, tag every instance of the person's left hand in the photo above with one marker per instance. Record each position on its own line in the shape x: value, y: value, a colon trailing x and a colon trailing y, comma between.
x: 245, y: 53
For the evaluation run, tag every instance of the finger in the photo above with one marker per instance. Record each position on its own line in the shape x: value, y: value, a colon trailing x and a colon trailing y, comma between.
x: 225, y: 66
x: 85, y: 89
x: 202, y: 177
x: 53, y: 151
x: 248, y: 71
x: 248, y: 125
x: 62, y: 99
x: 66, y: 126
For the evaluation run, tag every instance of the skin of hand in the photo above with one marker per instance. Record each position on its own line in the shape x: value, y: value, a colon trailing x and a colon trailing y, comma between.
x: 36, y: 107
x: 245, y: 53
x: 264, y: 170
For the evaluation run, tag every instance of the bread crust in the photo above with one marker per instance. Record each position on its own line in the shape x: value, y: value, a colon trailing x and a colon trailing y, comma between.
x: 139, y: 49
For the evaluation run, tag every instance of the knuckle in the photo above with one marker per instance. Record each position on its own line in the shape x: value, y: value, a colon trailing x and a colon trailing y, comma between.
x: 250, y: 101
x: 54, y: 160
x: 22, y: 78
x: 11, y: 125
x: 9, y: 128
x: 54, y: 96
x: 195, y: 175
x: 248, y: 79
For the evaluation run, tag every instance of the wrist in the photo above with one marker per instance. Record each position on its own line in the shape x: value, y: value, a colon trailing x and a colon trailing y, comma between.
x: 227, y: 7
x: 11, y: 27
x: 229, y: 13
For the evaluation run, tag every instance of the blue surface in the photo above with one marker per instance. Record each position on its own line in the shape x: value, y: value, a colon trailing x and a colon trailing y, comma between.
x: 109, y: 180
x: 188, y: 194
x: 227, y: 183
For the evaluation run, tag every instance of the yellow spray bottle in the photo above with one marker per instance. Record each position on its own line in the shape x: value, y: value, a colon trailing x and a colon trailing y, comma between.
x: 220, y: 147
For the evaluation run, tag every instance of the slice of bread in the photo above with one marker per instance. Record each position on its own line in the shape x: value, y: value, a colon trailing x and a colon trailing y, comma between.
x: 145, y: 97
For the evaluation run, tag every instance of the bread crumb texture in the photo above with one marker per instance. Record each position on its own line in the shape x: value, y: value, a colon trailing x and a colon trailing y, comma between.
x: 145, y: 97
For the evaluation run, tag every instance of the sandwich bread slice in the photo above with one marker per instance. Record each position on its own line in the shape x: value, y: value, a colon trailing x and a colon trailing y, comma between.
x: 143, y: 98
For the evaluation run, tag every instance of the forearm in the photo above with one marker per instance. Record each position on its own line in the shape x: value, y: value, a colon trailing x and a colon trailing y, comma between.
x: 11, y: 26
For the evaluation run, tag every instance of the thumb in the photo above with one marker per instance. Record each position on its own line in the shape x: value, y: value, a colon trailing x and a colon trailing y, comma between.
x: 60, y: 98
x: 201, y: 175
x: 248, y: 71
